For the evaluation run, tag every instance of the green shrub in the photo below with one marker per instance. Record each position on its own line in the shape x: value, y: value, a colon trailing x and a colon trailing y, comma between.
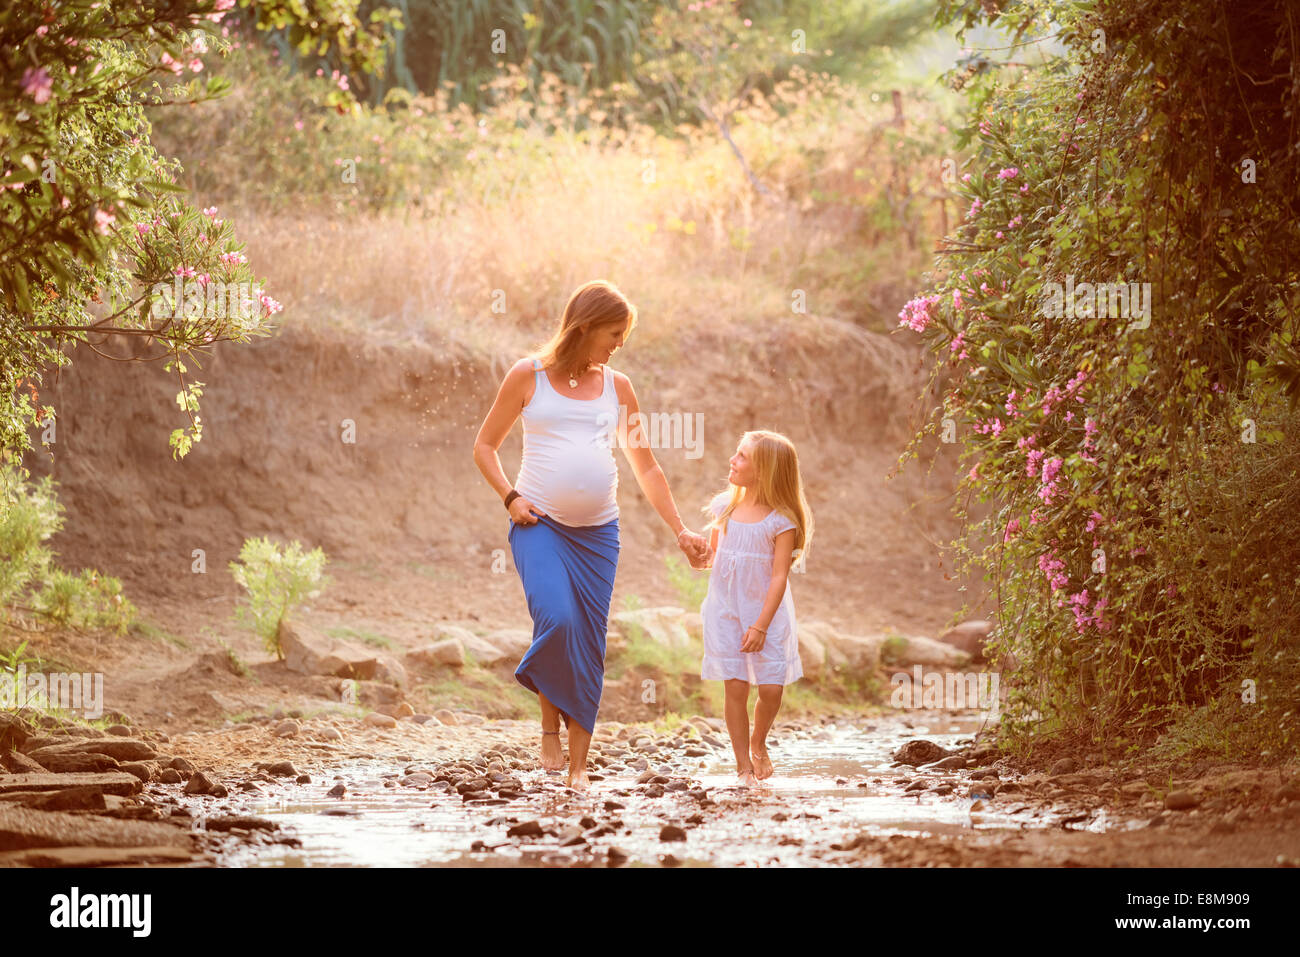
x: 29, y: 514
x: 690, y: 585
x: 277, y: 582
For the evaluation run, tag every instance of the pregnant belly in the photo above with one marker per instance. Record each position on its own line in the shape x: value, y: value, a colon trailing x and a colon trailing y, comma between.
x: 577, y: 485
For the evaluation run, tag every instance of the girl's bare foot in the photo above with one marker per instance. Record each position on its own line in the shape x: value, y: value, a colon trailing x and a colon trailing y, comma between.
x: 762, y: 763
x: 746, y: 779
x: 552, y: 752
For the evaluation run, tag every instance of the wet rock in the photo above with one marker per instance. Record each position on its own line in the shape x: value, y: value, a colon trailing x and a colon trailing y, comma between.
x: 120, y: 730
x: 170, y: 776
x: 328, y: 733
x: 953, y: 763
x: 671, y: 832
x: 425, y: 719
x: 77, y: 762
x: 1181, y: 800
x: 446, y: 716
x: 280, y: 769
x: 919, y: 751
x: 377, y: 720
x: 302, y: 779
x: 616, y: 855
x: 120, y: 749
x: 613, y: 806
x: 696, y: 752
x: 199, y: 783
x: 141, y: 770
x: 337, y: 791
x: 19, y: 763
x: 287, y: 729
x: 526, y: 829
x: 1064, y: 766
x: 571, y: 837
x: 84, y: 798
x: 182, y: 765
x: 654, y: 791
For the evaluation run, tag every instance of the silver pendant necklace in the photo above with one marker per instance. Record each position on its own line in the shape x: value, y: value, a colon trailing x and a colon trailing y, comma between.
x: 573, y: 380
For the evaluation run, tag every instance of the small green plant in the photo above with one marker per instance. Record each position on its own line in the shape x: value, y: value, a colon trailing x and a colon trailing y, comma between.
x: 691, y: 588
x: 277, y: 582
x: 29, y: 514
x: 235, y: 662
x: 633, y: 602
x: 892, y: 648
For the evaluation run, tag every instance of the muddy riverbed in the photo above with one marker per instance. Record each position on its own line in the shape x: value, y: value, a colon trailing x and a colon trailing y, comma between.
x: 669, y: 798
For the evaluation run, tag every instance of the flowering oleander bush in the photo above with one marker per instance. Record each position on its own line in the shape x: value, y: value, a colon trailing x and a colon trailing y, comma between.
x: 92, y: 218
x: 1089, y: 420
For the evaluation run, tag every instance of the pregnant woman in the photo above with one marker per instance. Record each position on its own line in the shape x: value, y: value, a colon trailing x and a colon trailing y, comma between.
x: 563, y: 526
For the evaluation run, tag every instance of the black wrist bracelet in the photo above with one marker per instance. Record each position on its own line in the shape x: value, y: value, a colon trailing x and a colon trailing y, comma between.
x: 510, y: 498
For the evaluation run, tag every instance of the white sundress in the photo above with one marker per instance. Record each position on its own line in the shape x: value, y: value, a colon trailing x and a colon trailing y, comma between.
x: 738, y: 583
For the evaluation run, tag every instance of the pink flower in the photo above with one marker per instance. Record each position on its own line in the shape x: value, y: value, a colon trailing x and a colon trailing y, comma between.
x: 1011, y: 172
x: 1013, y: 527
x: 38, y: 84
x: 103, y: 219
x: 916, y: 313
x: 1032, y: 460
x: 1095, y: 519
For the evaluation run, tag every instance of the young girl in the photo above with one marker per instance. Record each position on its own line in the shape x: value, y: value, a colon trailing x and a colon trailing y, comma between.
x: 762, y: 521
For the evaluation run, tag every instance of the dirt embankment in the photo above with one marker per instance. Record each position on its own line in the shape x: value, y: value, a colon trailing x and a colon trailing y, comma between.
x: 412, y: 531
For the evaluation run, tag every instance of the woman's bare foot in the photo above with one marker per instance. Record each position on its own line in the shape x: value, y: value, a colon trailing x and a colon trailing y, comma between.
x: 552, y: 752
x: 762, y: 763
x: 746, y: 779
x: 579, y: 781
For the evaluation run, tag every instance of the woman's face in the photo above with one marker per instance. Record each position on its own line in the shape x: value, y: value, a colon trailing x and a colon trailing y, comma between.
x: 742, y: 466
x: 603, y: 340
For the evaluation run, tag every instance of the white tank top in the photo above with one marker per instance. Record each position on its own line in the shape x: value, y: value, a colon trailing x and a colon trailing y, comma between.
x: 568, y: 469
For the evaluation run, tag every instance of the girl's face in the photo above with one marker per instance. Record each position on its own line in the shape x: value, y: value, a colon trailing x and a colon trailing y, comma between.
x: 742, y: 467
x: 602, y: 342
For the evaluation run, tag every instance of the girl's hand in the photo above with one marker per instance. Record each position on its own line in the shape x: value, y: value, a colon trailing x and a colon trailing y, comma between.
x: 694, y: 546
x: 523, y: 512
x: 755, y: 639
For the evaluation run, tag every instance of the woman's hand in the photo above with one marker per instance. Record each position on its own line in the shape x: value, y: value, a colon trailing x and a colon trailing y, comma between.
x: 754, y: 640
x: 694, y: 545
x: 523, y: 511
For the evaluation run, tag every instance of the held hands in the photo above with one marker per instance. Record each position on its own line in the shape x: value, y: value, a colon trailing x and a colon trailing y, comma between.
x: 754, y: 640
x: 696, y: 548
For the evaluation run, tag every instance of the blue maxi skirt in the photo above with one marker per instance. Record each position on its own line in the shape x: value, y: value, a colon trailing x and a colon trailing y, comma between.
x: 568, y: 577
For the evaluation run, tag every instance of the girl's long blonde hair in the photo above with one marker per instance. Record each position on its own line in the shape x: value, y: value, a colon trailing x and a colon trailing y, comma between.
x: 779, y: 485
x: 593, y: 304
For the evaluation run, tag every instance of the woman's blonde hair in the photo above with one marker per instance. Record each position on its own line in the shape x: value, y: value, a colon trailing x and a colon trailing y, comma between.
x: 776, y: 464
x: 592, y: 305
